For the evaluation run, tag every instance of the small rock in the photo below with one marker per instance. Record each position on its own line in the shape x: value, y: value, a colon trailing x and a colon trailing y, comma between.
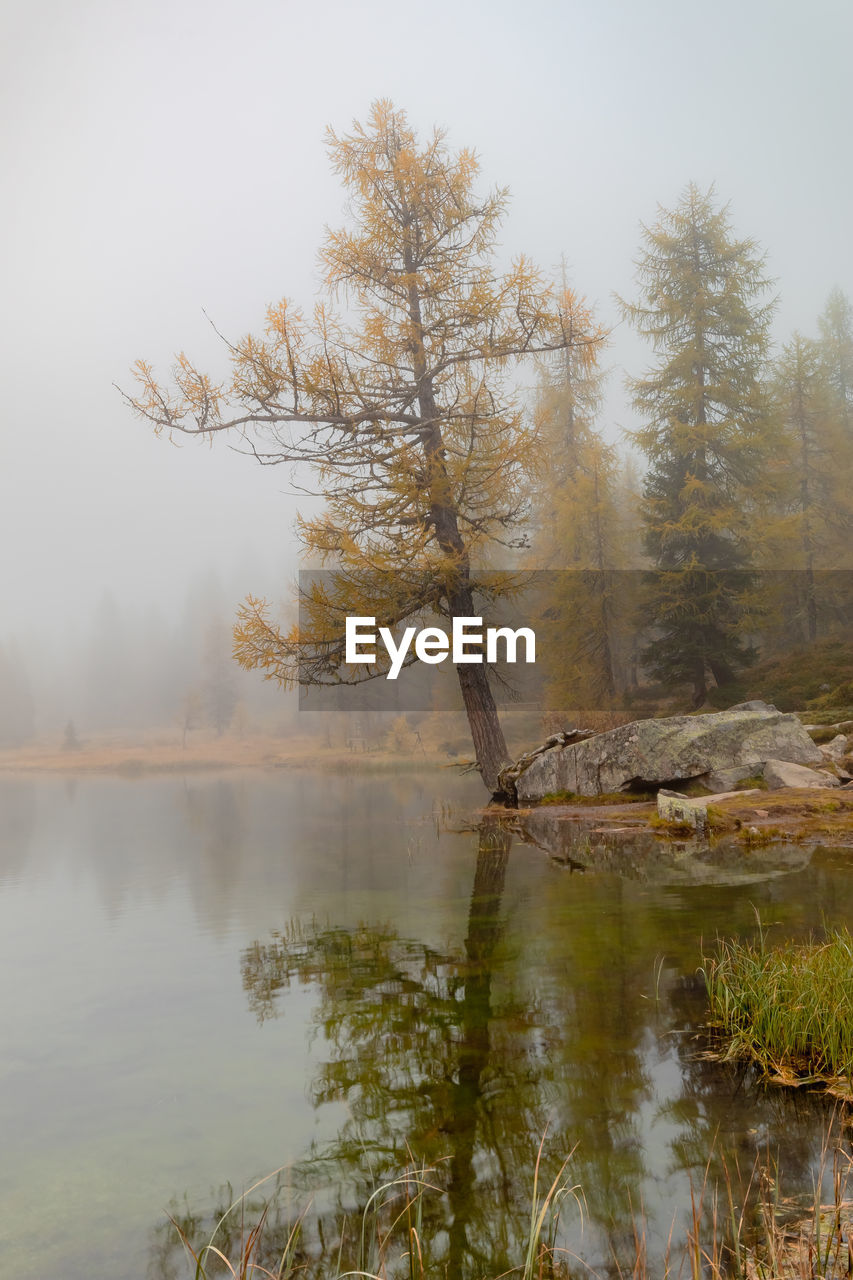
x: 691, y: 811
x: 675, y: 807
x: 836, y: 749
x: 761, y: 813
x: 780, y: 773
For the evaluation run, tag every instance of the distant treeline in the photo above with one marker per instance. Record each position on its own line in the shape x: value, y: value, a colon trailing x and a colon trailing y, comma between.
x: 134, y: 670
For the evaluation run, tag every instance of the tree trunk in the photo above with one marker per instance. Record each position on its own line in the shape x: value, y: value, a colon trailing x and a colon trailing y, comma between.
x: 490, y: 747
x: 700, y: 685
x: 811, y: 603
x: 721, y: 670
x: 602, y: 584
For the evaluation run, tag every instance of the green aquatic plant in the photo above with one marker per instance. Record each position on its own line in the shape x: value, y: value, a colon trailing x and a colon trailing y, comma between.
x: 788, y: 1008
x: 603, y: 798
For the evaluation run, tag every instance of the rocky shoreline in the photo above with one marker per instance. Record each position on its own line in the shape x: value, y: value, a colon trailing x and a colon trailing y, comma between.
x: 759, y: 795
x: 713, y: 752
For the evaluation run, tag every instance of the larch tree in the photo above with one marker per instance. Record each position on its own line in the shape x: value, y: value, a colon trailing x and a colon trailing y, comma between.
x: 706, y: 434
x: 836, y: 350
x: 404, y: 405
x: 818, y: 474
x: 579, y: 534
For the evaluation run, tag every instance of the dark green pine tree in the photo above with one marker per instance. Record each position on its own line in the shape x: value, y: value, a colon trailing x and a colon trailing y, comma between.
x: 706, y: 436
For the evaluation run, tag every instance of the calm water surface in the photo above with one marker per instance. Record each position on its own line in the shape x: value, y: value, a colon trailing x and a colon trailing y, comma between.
x: 205, y: 979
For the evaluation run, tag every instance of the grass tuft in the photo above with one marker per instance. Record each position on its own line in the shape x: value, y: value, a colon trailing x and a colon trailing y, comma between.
x: 604, y: 798
x: 787, y: 1008
x: 760, y: 1235
x: 246, y: 1261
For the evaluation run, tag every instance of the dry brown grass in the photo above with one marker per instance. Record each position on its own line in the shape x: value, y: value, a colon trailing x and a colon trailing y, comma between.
x: 795, y: 813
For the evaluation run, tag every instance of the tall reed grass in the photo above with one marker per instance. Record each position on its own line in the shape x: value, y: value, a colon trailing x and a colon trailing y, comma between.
x: 390, y: 1240
x: 763, y: 1236
x: 788, y: 1008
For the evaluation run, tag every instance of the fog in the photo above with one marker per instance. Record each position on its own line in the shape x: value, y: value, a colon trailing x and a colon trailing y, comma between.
x: 166, y: 160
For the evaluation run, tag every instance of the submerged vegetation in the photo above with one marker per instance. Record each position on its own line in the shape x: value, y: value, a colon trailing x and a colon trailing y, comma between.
x: 788, y: 1008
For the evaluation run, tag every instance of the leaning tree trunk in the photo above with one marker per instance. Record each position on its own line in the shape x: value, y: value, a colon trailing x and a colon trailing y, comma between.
x: 490, y: 748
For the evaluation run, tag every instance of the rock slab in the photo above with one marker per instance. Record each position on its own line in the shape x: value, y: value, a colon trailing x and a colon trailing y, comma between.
x: 781, y: 773
x: 692, y: 811
x: 836, y: 749
x: 655, y: 752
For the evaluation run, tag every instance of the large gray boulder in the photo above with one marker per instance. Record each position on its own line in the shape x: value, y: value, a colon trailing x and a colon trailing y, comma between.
x: 654, y: 752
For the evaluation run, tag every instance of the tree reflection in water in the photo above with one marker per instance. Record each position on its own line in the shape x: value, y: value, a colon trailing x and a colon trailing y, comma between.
x: 557, y: 1010
x: 448, y: 1059
x: 461, y: 1058
x: 408, y: 1035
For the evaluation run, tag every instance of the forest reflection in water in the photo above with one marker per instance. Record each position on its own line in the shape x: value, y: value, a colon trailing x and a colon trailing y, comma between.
x: 206, y: 978
x: 581, y: 1031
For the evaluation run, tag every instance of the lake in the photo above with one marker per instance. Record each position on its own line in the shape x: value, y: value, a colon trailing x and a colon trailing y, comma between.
x: 209, y: 978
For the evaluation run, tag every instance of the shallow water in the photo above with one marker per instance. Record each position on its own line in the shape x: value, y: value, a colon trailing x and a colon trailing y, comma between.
x: 206, y: 979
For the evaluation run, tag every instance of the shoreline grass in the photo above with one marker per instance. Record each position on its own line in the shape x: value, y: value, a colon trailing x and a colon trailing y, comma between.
x: 762, y: 1234
x: 388, y: 1240
x: 787, y: 1008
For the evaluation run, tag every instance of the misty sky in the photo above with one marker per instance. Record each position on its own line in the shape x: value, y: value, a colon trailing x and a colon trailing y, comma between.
x: 161, y: 158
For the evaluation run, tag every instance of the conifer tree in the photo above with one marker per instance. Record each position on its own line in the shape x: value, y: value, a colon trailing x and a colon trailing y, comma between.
x: 578, y: 538
x: 818, y: 475
x: 836, y: 350
x: 705, y: 434
x: 405, y: 408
